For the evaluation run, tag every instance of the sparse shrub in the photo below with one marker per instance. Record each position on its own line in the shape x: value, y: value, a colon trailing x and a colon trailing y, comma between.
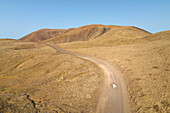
x: 156, y: 108
x: 24, y: 46
x: 3, y: 89
x: 165, y: 104
x: 155, y: 67
x: 48, y: 71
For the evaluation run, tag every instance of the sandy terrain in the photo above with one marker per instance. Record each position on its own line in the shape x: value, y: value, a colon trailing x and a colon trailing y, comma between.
x: 36, y: 78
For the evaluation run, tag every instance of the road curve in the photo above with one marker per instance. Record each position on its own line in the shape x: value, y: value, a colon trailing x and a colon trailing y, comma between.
x: 111, y: 100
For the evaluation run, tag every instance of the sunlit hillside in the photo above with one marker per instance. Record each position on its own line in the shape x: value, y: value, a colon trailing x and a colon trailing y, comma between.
x: 34, y: 77
x: 143, y: 59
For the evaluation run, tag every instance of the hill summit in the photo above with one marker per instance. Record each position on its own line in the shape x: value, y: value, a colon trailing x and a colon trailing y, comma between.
x: 84, y: 33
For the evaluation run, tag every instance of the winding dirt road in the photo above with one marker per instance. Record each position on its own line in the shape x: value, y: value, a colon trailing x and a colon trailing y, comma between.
x: 111, y: 100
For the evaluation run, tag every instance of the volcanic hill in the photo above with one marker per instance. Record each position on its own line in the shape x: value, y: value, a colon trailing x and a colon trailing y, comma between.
x: 84, y: 33
x: 44, y: 34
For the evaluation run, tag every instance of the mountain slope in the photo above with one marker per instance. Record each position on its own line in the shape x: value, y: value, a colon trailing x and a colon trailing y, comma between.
x: 103, y: 32
x: 35, y: 78
x: 81, y: 34
x: 122, y: 34
x: 164, y: 35
x: 144, y: 63
x: 44, y: 34
x: 89, y: 32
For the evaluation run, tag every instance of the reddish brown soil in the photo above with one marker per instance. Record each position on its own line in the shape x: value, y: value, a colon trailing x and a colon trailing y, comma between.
x: 44, y: 34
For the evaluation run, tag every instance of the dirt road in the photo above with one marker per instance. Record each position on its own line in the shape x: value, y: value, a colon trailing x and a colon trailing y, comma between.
x: 111, y: 100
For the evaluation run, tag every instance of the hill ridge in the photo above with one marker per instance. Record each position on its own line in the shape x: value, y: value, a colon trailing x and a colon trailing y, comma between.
x: 83, y: 33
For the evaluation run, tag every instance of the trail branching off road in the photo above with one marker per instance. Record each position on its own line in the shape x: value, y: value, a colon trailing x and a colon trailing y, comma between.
x: 111, y: 100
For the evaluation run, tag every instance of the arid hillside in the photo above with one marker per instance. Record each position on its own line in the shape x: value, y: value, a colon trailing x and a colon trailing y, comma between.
x: 36, y: 78
x: 81, y: 34
x: 144, y: 62
x: 91, y: 32
x: 44, y: 34
x: 86, y: 33
x: 120, y: 35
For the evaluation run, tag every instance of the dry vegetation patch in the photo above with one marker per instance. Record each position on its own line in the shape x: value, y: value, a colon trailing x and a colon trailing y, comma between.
x: 37, y: 78
x: 145, y: 66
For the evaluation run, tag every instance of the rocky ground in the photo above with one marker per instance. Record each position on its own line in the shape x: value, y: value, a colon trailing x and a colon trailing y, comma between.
x: 37, y: 78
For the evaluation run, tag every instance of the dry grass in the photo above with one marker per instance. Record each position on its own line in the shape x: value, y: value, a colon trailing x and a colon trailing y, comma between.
x: 145, y: 64
x: 35, y: 78
x: 97, y: 32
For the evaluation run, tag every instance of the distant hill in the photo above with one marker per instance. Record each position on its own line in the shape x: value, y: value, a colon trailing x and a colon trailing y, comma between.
x: 6, y: 39
x: 164, y: 35
x: 44, y: 34
x: 90, y: 32
x: 81, y: 34
x: 121, y: 34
